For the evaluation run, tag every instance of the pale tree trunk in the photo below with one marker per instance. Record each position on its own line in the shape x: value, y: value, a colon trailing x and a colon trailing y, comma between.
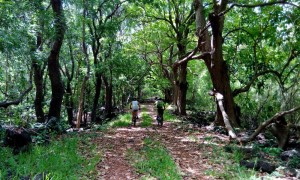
x: 219, y: 99
x: 86, y: 77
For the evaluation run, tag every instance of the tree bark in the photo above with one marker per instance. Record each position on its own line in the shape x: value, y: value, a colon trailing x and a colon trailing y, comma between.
x: 69, y: 94
x: 108, y: 96
x: 39, y: 92
x: 168, y: 95
x: 182, y: 87
x: 38, y: 69
x: 53, y: 61
x: 97, y: 96
x: 215, y: 63
x: 69, y: 103
x: 81, y: 101
x: 38, y: 72
x: 180, y: 75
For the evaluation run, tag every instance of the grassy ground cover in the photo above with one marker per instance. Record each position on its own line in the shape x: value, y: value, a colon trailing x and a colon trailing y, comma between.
x: 69, y: 157
x: 154, y: 161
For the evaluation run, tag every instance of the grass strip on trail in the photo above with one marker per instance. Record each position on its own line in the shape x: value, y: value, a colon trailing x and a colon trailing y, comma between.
x: 153, y: 160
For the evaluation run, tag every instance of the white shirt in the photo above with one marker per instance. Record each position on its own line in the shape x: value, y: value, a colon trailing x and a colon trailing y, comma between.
x: 135, y: 105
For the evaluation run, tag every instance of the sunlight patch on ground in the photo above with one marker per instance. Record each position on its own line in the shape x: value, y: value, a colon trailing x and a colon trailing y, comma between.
x: 192, y: 171
x: 135, y: 129
x: 189, y: 139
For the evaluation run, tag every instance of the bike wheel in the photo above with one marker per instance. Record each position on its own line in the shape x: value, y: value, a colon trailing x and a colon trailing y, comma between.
x: 134, y: 121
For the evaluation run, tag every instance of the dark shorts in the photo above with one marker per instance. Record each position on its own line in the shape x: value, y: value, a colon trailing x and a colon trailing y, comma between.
x: 134, y: 113
x: 160, y: 112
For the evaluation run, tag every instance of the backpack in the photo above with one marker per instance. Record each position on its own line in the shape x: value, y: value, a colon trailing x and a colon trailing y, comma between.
x: 160, y: 104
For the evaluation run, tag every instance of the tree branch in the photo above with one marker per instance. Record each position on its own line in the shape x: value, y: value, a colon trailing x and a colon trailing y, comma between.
x: 268, y: 122
x: 191, y: 56
x: 293, y: 55
x: 256, y: 5
x: 247, y: 87
x: 238, y: 29
x: 5, y: 104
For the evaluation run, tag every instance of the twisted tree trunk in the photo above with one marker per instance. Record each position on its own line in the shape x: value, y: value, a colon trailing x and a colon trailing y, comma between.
x: 53, y: 60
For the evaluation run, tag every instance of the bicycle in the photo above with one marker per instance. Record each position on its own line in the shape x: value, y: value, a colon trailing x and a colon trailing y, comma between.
x: 134, y: 117
x: 159, y: 119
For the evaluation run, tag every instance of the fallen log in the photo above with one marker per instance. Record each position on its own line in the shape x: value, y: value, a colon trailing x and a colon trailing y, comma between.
x: 268, y: 122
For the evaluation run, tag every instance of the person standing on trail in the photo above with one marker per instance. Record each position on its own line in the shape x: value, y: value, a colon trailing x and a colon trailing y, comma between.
x: 135, y: 106
x: 160, y: 106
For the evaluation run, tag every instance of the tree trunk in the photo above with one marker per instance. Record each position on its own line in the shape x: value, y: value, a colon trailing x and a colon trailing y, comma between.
x: 221, y: 83
x: 69, y: 94
x: 175, y: 95
x: 38, y: 72
x: 180, y: 75
x: 219, y: 99
x: 219, y: 71
x: 139, y: 92
x: 214, y: 62
x: 39, y: 92
x: 168, y: 95
x: 97, y: 96
x: 182, y: 87
x: 108, y: 96
x: 53, y: 61
x: 69, y: 104
x: 81, y: 101
x: 86, y: 77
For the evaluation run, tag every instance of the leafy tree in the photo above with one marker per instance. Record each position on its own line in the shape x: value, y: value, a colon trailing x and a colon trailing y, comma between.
x: 212, y: 53
x: 14, y: 49
x: 178, y: 16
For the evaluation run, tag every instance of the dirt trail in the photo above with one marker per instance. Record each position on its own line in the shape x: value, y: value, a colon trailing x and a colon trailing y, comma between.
x: 183, y: 145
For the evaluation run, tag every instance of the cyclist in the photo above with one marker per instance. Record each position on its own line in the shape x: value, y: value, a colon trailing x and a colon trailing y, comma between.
x: 160, y: 105
x: 135, y: 106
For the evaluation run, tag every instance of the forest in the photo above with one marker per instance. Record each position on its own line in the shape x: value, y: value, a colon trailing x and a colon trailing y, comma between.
x: 227, y: 71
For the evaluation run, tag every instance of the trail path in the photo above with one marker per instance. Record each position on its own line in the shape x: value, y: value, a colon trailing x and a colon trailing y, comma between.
x: 184, y: 145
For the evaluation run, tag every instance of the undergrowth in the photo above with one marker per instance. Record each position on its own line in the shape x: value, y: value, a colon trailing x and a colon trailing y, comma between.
x: 146, y: 120
x: 123, y: 120
x: 154, y: 161
x: 228, y: 162
x: 58, y: 160
x: 170, y: 117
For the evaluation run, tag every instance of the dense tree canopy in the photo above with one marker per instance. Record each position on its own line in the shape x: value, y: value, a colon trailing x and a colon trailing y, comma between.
x: 63, y: 57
